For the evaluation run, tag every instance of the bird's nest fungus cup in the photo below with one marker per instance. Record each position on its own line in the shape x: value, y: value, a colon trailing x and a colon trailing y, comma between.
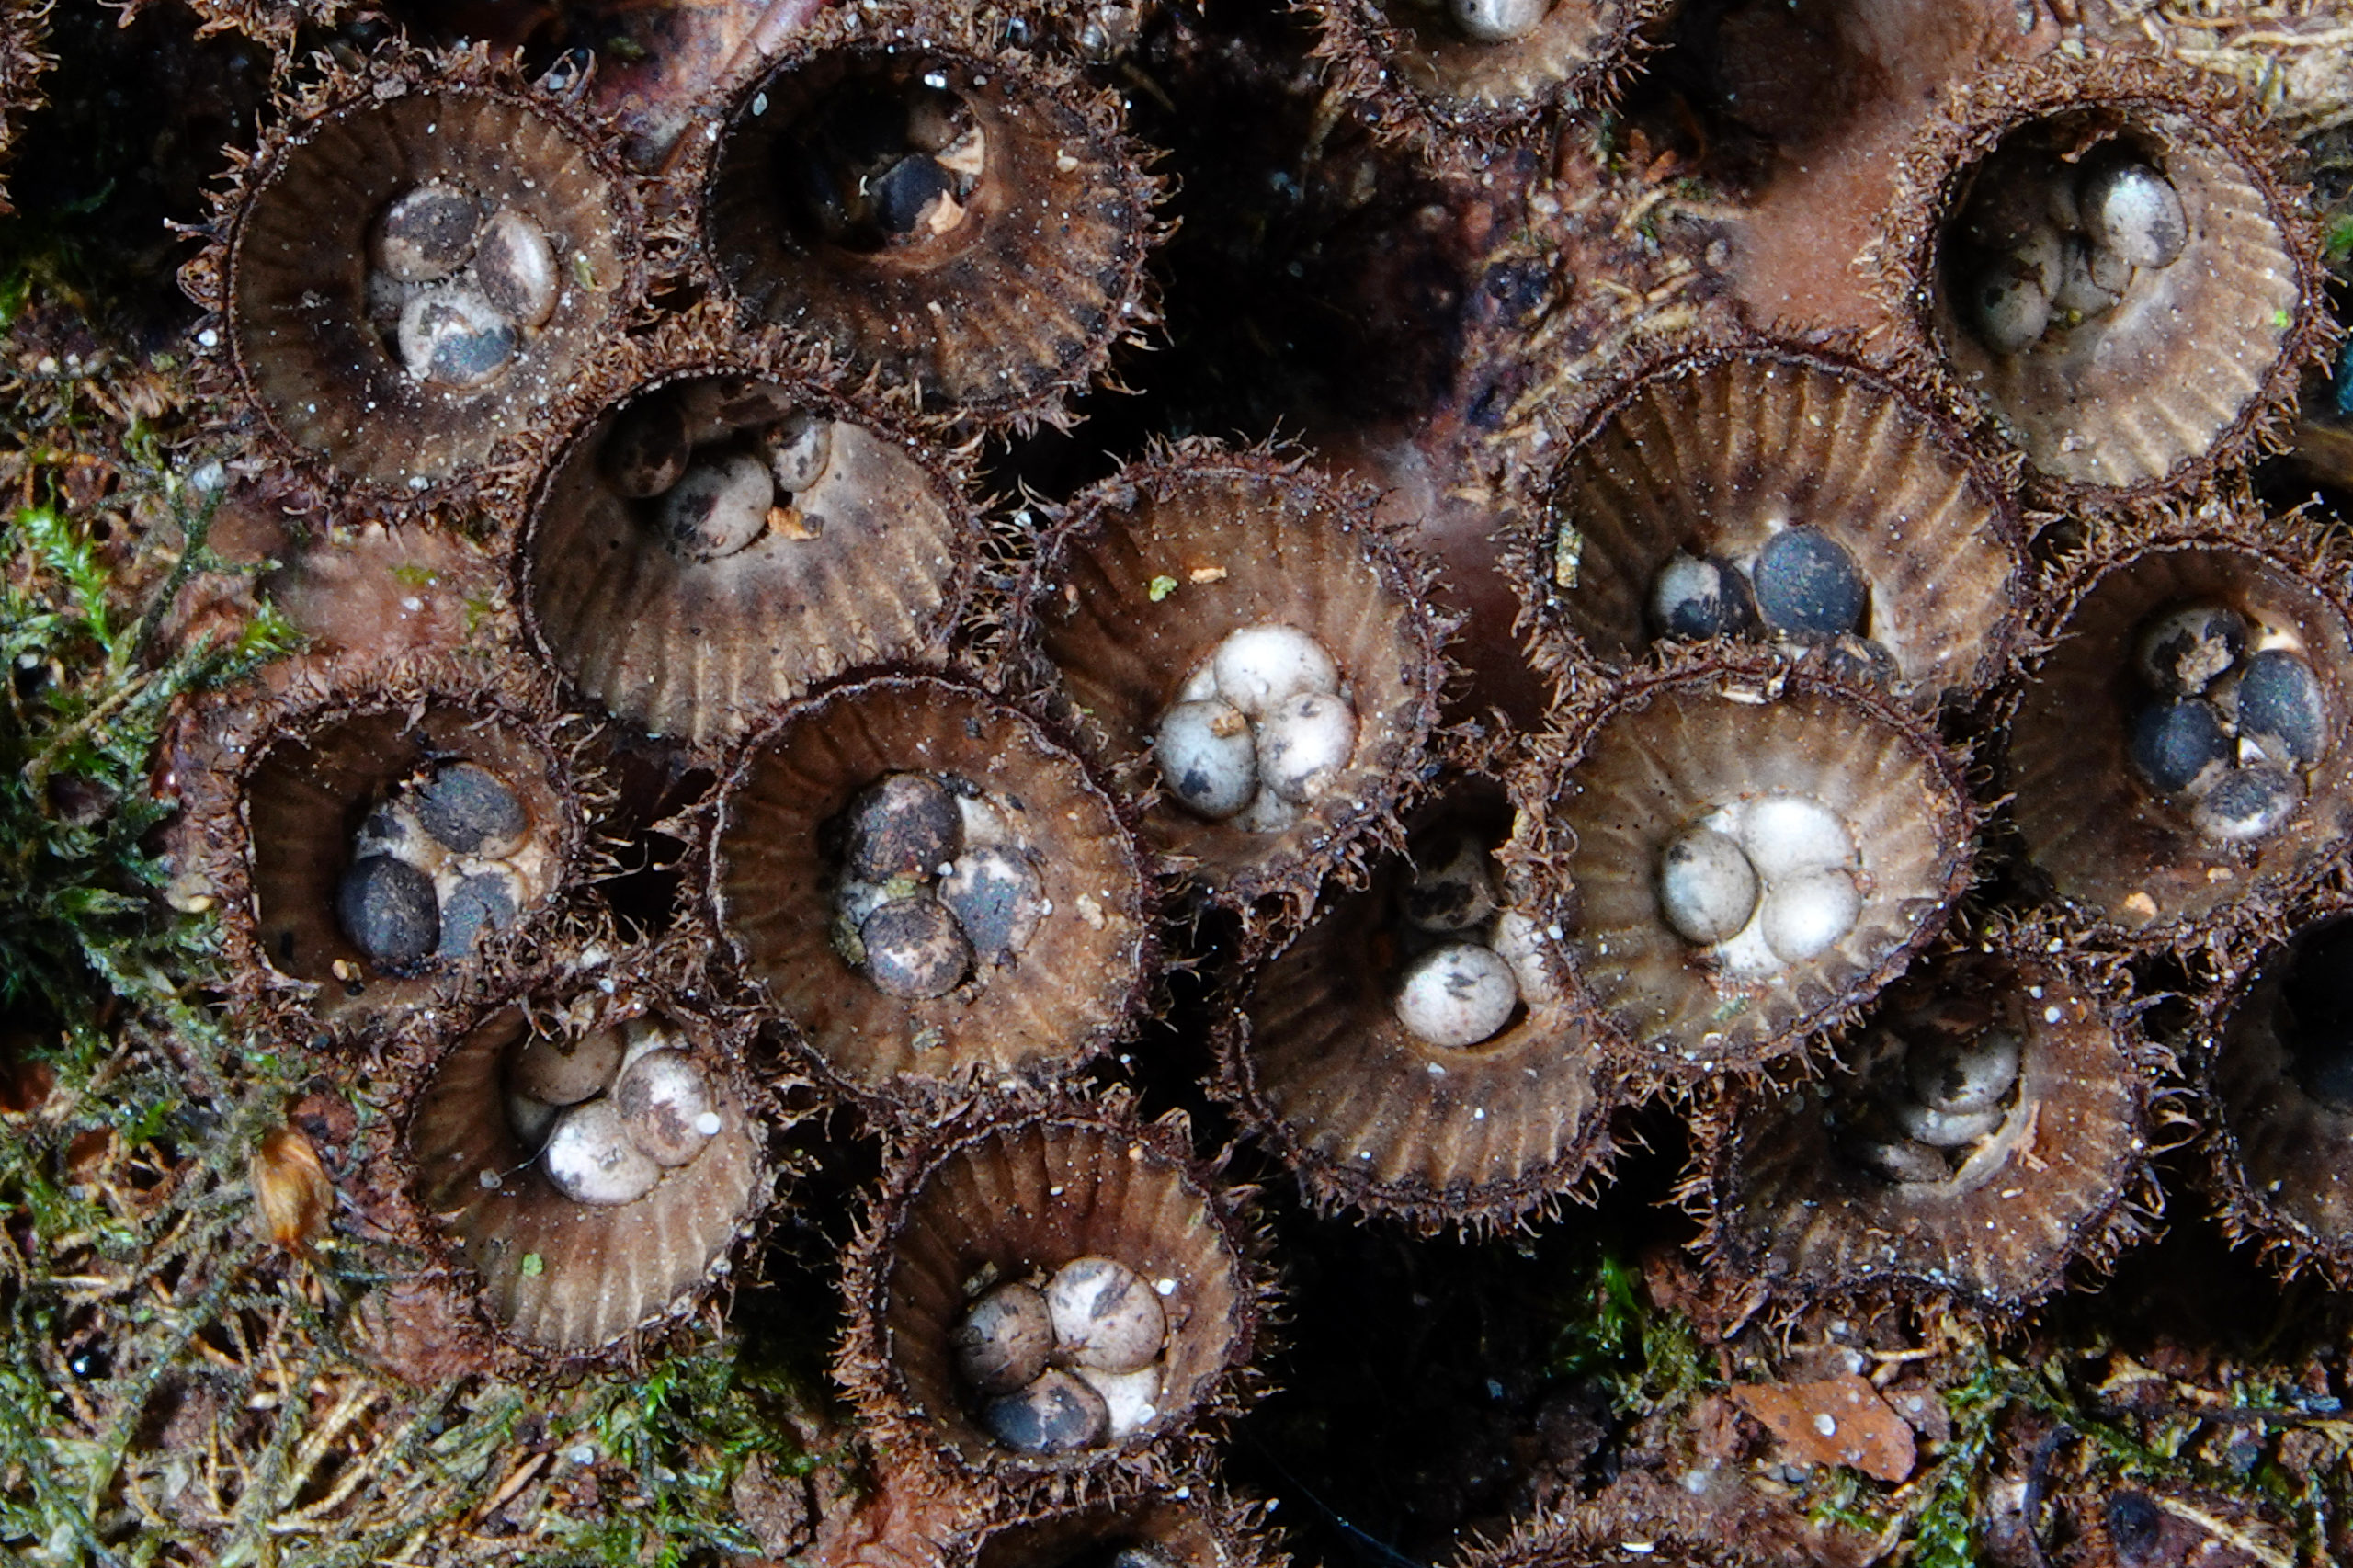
x: 2278, y: 1086
x: 1480, y: 64
x: 421, y: 259
x: 1747, y: 850
x: 2178, y: 765
x: 1416, y: 1049
x: 2107, y: 258
x: 709, y: 546
x: 584, y: 1155
x: 1049, y: 1299
x: 1766, y: 493
x: 371, y: 842
x: 1190, y: 1526
x: 931, y: 888
x: 1987, y: 1128
x: 969, y: 224
x: 1238, y: 632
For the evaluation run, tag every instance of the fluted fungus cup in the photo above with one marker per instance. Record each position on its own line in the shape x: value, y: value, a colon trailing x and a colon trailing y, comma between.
x: 1764, y: 493
x: 1484, y: 65
x: 1988, y: 1129
x: 2278, y: 1081
x: 585, y: 1154
x: 968, y: 224
x: 1415, y: 1050
x: 424, y: 258
x: 2178, y: 763
x: 2110, y: 259
x: 931, y: 888
x: 372, y: 840
x: 1242, y: 649
x: 1752, y: 850
x: 1049, y: 1297
x: 1190, y: 1524
x: 710, y: 545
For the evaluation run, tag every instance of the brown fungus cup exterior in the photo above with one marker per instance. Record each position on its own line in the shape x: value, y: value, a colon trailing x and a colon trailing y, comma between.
x: 868, y: 562
x: 1662, y: 750
x: 1146, y: 573
x: 997, y: 316
x: 1412, y: 69
x: 1369, y: 1115
x: 1637, y: 1519
x: 2202, y: 356
x: 1008, y: 1187
x: 2062, y: 1183
x: 2118, y: 855
x: 1072, y: 990
x: 1189, y: 1526
x: 562, y: 1284
x: 2278, y: 1144
x: 291, y: 337
x: 1709, y: 450
x: 285, y: 782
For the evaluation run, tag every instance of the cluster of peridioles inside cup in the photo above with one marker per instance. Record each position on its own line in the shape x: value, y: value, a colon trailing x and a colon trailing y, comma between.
x: 1729, y: 833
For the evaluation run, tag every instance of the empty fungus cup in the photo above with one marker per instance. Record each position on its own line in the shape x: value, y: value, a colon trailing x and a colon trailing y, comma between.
x: 1772, y: 494
x: 709, y: 547
x: 1016, y: 1193
x: 1751, y: 851
x: 971, y: 225
x: 931, y: 888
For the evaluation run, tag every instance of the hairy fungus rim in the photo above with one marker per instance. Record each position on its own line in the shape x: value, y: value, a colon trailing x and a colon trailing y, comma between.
x: 867, y: 1367
x: 1976, y: 117
x: 918, y: 1095
x: 1532, y: 537
x: 964, y: 41
x: 1278, y: 890
x: 394, y: 72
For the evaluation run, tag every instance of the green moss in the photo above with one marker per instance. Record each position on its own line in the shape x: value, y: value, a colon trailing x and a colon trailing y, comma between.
x: 1649, y: 1357
x: 685, y: 1432
x: 2337, y: 239
x: 137, y: 1264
